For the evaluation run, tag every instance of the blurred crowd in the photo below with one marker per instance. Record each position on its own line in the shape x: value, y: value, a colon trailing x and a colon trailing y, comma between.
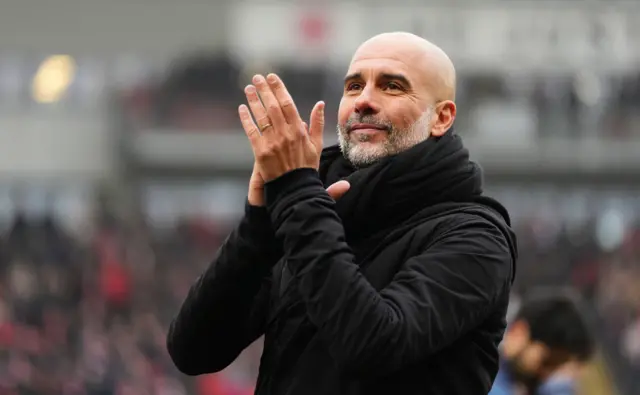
x: 202, y: 92
x: 86, y: 312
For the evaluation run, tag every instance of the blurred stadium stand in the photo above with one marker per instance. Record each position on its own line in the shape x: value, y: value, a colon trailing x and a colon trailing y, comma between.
x: 123, y: 165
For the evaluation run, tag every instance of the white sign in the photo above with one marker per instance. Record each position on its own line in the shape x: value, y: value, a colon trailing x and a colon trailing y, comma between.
x: 492, y: 36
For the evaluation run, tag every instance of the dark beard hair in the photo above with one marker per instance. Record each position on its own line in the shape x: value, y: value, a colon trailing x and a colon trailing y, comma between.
x: 532, y: 380
x: 529, y: 380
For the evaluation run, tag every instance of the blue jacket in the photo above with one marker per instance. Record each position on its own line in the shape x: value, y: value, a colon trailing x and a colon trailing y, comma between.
x: 503, y: 385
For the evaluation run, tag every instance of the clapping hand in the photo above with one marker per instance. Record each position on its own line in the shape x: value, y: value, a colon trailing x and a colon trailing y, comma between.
x: 279, y: 138
x: 281, y: 141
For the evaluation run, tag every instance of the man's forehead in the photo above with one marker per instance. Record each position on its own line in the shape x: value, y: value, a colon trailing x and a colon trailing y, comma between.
x: 383, y: 57
x: 377, y: 65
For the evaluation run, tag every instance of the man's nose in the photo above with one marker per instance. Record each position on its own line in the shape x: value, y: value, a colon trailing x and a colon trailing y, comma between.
x: 366, y: 103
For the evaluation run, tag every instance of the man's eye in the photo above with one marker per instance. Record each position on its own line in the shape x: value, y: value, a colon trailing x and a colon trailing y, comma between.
x: 393, y: 86
x: 353, y: 86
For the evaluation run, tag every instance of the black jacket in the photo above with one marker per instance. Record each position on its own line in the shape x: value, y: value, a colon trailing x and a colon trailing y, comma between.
x: 400, y: 287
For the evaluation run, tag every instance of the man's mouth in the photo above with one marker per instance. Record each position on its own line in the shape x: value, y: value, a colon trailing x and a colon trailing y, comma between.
x: 366, y: 132
x: 366, y: 129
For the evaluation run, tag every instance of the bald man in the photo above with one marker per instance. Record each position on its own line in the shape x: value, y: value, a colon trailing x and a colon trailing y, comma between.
x: 376, y: 266
x: 420, y: 86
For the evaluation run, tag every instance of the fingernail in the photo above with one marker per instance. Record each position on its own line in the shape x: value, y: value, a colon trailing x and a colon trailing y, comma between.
x: 250, y: 89
x: 321, y: 109
x: 257, y: 78
x: 272, y: 79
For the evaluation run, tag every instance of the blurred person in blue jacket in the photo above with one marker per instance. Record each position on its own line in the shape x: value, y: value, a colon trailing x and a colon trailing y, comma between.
x: 544, y: 348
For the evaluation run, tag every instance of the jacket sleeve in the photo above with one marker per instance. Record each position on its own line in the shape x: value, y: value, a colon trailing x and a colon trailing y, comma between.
x: 434, y: 299
x: 226, y: 307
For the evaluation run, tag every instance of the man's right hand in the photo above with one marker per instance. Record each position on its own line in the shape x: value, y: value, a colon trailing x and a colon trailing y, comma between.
x: 256, y: 188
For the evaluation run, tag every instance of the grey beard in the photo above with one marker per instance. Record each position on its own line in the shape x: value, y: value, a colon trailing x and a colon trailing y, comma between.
x: 397, y: 140
x: 362, y: 158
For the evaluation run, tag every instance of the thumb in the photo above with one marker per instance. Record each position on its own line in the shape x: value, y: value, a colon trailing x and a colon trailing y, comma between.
x: 316, y: 124
x: 337, y: 189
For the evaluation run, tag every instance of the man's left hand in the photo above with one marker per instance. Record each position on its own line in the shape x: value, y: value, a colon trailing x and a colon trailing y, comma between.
x: 279, y: 138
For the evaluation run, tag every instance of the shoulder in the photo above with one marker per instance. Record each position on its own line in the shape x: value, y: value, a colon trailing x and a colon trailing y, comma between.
x: 449, y: 220
x: 470, y: 233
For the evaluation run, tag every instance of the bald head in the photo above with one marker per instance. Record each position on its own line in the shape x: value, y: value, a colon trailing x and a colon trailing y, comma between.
x: 416, y: 52
x: 398, y: 91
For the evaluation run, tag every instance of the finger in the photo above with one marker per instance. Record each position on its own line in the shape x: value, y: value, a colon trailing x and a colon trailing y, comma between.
x: 306, y: 127
x: 316, y: 127
x: 257, y: 109
x: 285, y: 100
x: 250, y: 128
x: 271, y: 104
x: 338, y: 189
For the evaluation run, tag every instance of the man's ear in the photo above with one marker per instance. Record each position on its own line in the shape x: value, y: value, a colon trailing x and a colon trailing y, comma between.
x: 445, y: 115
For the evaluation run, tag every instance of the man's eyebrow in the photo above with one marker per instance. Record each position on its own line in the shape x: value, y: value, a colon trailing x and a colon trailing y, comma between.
x: 396, y: 77
x: 353, y: 76
x: 384, y: 76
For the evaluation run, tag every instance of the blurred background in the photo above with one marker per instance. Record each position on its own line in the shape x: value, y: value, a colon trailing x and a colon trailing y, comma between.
x: 123, y: 164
